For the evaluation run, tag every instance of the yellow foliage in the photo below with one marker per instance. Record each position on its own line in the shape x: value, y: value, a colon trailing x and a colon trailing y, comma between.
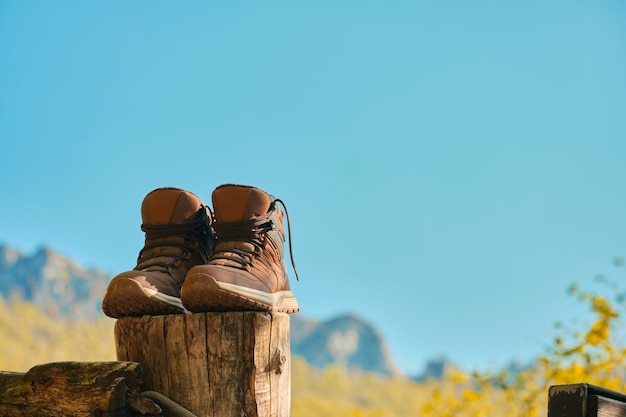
x: 593, y: 355
x: 30, y: 337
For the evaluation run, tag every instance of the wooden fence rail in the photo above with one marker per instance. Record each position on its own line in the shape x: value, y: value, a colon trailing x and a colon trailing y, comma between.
x: 585, y: 400
x: 107, y: 389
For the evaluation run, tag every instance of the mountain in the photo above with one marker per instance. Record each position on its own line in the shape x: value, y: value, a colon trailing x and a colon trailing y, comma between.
x: 435, y: 368
x: 63, y: 288
x: 52, y: 281
x: 346, y: 341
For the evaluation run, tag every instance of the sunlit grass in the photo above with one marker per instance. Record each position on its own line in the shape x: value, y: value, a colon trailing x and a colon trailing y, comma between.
x: 594, y: 354
x: 30, y: 337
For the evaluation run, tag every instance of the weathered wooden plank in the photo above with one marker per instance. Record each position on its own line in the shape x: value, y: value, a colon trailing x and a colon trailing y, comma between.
x: 154, y: 327
x: 260, y: 390
x: 605, y: 407
x: 227, y: 369
x: 70, y: 389
x: 196, y: 343
x: 214, y: 364
x: 280, y: 366
x: 567, y: 400
x: 585, y: 400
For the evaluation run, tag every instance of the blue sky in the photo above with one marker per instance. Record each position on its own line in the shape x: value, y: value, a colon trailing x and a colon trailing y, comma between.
x: 449, y: 167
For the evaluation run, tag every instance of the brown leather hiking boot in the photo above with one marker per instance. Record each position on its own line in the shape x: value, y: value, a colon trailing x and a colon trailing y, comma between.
x: 178, y: 236
x: 247, y: 267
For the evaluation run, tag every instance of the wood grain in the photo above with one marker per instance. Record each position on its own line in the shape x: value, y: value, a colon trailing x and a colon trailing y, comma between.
x: 71, y: 389
x: 226, y: 364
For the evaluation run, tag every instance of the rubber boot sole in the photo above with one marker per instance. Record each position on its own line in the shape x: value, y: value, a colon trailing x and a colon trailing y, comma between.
x: 201, y: 293
x: 126, y: 297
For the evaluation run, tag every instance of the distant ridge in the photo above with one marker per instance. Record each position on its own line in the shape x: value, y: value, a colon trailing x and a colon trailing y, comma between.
x: 55, y: 283
x: 62, y: 288
x: 346, y: 341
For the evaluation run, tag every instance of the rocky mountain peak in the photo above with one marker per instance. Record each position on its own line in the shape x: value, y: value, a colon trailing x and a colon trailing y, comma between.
x: 52, y: 281
x: 347, y: 341
x: 8, y: 256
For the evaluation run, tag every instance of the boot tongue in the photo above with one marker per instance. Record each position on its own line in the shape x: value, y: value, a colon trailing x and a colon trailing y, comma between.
x: 233, y: 203
x: 169, y: 205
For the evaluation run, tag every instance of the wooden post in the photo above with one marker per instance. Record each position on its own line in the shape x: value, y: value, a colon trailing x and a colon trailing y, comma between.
x: 229, y: 364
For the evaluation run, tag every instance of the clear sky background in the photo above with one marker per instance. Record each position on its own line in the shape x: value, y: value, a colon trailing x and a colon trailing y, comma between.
x: 450, y: 167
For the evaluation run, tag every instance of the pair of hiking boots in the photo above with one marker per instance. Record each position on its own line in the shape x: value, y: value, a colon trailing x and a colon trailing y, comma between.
x: 197, y: 260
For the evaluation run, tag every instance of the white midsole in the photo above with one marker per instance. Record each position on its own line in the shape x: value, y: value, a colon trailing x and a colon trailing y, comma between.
x: 167, y: 299
x: 262, y: 296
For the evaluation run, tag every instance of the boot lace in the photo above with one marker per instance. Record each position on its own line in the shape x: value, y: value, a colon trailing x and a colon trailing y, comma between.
x: 169, y: 244
x: 254, y: 232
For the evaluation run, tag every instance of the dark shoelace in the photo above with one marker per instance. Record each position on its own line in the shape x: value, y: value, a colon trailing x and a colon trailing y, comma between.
x: 179, y: 236
x: 251, y: 231
x: 293, y: 263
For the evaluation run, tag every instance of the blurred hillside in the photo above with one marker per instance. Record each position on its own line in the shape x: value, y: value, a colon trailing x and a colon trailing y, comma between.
x: 69, y: 296
x: 55, y: 283
x: 30, y: 337
x: 340, y: 366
